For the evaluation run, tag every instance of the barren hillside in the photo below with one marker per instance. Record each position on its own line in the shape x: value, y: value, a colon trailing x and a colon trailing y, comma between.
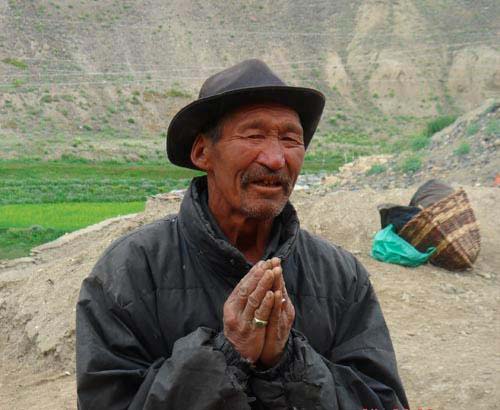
x: 102, y: 79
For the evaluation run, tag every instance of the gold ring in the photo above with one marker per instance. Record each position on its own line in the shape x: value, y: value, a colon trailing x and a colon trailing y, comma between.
x: 259, y: 323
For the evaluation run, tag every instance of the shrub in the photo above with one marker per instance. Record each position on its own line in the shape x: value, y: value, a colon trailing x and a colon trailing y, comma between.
x: 16, y: 63
x: 419, y: 141
x: 47, y: 99
x: 376, y: 169
x: 411, y: 164
x: 463, y: 149
x: 472, y: 129
x: 439, y: 123
x: 493, y: 128
x: 175, y: 92
x: 17, y: 82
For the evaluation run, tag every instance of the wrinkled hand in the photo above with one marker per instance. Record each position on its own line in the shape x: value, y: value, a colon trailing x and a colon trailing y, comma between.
x: 280, y: 320
x: 251, y: 297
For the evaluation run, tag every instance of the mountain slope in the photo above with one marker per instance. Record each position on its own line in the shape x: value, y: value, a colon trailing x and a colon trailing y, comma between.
x: 114, y: 70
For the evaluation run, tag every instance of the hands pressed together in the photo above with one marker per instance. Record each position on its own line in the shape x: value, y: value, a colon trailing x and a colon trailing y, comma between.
x: 262, y: 295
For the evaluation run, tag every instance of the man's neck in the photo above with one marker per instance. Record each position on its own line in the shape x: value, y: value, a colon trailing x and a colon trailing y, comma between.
x: 249, y: 235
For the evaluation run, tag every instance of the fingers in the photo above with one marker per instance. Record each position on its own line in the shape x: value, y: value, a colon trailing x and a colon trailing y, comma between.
x: 278, y: 278
x: 254, y: 300
x: 288, y: 309
x: 265, y: 308
x: 277, y: 307
x: 275, y: 262
x: 248, y: 284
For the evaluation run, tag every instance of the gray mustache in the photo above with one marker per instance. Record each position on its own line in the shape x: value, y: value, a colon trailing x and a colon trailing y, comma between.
x: 256, y: 175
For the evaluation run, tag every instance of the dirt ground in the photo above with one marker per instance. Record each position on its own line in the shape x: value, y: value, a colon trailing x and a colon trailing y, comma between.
x: 444, y: 325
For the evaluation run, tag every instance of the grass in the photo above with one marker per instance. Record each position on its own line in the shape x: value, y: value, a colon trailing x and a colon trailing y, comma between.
x: 493, y: 128
x: 328, y: 162
x: 24, y: 226
x: 350, y: 137
x: 376, y: 169
x: 175, y: 92
x: 462, y: 149
x: 439, y: 124
x: 63, y: 216
x: 16, y: 63
x: 419, y: 141
x: 472, y: 129
x: 17, y: 242
x: 42, y: 200
x: 74, y: 179
x: 79, y: 180
x: 411, y: 164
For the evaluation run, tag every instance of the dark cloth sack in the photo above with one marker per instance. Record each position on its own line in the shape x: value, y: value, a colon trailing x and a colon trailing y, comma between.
x: 431, y: 192
x: 396, y: 215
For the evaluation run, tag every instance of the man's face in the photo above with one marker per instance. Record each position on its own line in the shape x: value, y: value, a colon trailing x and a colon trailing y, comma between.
x: 255, y: 163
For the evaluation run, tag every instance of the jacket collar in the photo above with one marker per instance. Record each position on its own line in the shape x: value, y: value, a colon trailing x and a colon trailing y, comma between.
x: 201, y: 230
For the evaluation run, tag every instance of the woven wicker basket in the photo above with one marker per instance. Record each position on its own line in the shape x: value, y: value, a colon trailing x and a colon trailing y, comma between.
x: 450, y: 226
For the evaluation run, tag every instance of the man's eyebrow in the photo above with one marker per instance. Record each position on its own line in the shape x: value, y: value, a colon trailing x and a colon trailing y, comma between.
x: 257, y: 123
x: 254, y: 123
x: 290, y: 126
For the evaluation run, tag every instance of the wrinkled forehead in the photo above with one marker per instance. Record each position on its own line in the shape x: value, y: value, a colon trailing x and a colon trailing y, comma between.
x: 262, y: 115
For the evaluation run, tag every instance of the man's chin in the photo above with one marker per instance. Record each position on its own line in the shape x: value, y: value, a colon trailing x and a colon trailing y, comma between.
x: 264, y: 209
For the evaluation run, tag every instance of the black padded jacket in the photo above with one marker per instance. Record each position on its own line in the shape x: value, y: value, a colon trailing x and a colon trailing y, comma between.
x: 149, y: 323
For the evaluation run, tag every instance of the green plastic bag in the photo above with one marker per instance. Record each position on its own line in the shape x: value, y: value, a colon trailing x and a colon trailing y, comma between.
x: 389, y: 247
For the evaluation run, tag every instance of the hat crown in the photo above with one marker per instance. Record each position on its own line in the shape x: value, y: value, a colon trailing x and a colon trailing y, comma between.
x: 248, y: 73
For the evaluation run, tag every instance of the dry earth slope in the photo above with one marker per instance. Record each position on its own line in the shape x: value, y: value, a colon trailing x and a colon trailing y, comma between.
x: 124, y: 68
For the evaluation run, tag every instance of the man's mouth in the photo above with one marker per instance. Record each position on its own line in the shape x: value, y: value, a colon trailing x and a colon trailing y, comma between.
x: 268, y: 183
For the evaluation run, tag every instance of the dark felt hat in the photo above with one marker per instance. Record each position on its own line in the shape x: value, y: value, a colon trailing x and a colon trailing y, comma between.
x: 250, y: 81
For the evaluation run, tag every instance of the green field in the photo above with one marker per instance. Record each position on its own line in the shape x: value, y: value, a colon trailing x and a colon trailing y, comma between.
x: 29, y: 181
x: 23, y: 226
x: 64, y: 216
x: 42, y: 200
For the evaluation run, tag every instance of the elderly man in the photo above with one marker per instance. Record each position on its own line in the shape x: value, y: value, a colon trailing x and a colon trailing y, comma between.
x: 229, y: 304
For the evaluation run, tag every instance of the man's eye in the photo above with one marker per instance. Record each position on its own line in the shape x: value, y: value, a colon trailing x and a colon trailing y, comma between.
x: 255, y: 136
x: 291, y: 138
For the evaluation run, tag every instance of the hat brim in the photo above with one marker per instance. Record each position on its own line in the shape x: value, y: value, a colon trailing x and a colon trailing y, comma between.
x: 190, y: 120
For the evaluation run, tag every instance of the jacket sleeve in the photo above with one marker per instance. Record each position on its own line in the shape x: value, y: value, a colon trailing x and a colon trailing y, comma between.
x: 360, y: 371
x: 116, y: 371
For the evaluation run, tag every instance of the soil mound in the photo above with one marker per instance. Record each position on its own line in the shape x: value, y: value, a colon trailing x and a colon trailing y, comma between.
x: 442, y: 324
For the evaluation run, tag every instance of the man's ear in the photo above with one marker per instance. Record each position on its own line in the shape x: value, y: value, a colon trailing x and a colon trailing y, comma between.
x: 200, y: 153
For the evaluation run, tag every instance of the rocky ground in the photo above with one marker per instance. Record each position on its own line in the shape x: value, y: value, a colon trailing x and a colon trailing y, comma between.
x: 466, y: 152
x: 443, y: 324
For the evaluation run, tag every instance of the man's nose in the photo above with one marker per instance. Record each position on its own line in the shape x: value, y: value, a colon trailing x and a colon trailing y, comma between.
x: 272, y: 155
